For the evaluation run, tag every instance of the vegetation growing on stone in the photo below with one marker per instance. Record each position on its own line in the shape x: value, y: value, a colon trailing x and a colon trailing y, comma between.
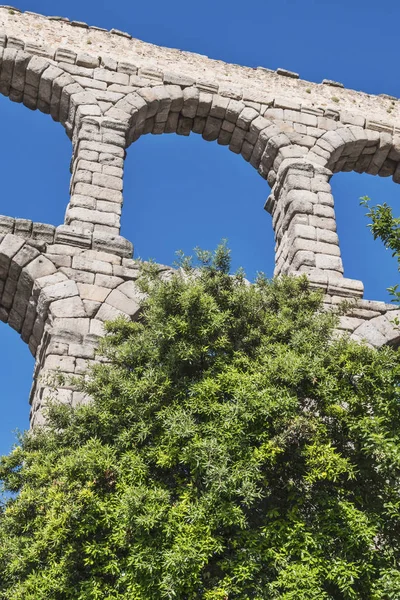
x: 235, y: 448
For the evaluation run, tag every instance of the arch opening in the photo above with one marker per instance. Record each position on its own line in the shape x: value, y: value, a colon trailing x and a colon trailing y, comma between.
x: 34, y: 165
x: 363, y: 257
x: 181, y: 193
x: 16, y: 370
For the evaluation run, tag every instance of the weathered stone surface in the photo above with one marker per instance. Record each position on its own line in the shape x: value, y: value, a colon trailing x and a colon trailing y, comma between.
x: 119, y: 300
x: 68, y: 307
x: 93, y: 292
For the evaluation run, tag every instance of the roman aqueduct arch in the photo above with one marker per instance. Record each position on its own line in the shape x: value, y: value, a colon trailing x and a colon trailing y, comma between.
x: 59, y: 284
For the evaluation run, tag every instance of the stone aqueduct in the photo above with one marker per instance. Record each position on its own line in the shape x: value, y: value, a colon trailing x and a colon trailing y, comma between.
x: 59, y: 284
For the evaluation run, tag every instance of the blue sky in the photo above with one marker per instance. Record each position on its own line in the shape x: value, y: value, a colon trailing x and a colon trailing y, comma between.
x: 184, y: 192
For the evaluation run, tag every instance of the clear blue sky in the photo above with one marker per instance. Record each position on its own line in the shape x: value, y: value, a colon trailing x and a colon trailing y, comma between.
x: 183, y: 192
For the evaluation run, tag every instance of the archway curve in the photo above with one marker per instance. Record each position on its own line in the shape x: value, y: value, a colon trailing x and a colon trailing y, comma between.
x: 24, y: 272
x: 352, y: 148
x: 41, y: 84
x: 233, y: 123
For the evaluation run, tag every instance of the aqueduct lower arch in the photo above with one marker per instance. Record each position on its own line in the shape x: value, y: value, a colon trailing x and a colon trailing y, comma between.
x: 58, y: 284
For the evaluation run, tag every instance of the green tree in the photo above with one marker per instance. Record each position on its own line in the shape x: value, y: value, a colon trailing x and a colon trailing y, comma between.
x: 386, y: 227
x: 235, y: 449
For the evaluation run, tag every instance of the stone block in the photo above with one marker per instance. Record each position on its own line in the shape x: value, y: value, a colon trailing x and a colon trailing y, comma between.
x: 111, y: 76
x: 93, y: 292
x: 368, y: 332
x: 39, y: 267
x: 302, y: 258
x: 96, y: 328
x: 330, y: 262
x: 46, y: 83
x: 204, y: 104
x: 219, y: 107
x: 212, y: 128
x: 109, y: 313
x: 23, y: 228
x: 7, y: 224
x: 114, y: 171
x: 298, y: 207
x: 95, y: 266
x: 120, y: 301
x: 91, y: 307
x: 43, y: 232
x: 107, y: 181
x: 78, y: 275
x: 48, y: 280
x: 246, y: 150
x: 184, y: 127
x: 57, y: 347
x: 57, y: 362
x: 9, y: 247
x: 86, y: 60
x: 82, y: 366
x: 80, y: 201
x: 29, y: 321
x: 59, y: 291
x: 230, y: 90
x: 300, y: 117
x: 178, y: 79
x: 258, y: 124
x: 172, y: 122
x: 320, y: 210
x: 300, y: 196
x: 237, y: 140
x: 18, y: 78
x: 102, y: 148
x: 93, y: 216
x: 274, y: 113
x: 15, y: 320
x: 9, y: 56
x: 71, y: 329
x: 104, y: 256
x: 99, y: 193
x: 325, y: 199
x: 23, y: 257
x: 327, y: 236
x: 108, y: 281
x: 112, y: 243
x: 306, y: 232
x: 130, y: 289
x: 349, y: 323
x: 106, y: 229
x: 190, y: 102
x: 207, y: 86
x: 64, y: 249
x: 68, y: 307
x: 298, y: 182
x: 246, y: 116
x: 228, y: 126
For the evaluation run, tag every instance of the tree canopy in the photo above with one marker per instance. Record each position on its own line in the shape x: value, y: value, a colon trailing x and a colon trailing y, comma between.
x: 236, y: 448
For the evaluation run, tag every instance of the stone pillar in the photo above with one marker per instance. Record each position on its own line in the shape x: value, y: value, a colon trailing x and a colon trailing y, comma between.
x: 303, y: 217
x: 93, y: 214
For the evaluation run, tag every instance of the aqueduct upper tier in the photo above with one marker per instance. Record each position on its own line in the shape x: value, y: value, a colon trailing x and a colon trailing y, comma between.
x: 58, y: 284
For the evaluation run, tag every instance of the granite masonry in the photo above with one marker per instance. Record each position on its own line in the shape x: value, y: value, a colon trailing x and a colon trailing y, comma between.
x: 59, y: 284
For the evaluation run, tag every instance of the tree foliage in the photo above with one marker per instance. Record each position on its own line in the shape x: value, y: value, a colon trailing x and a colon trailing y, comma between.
x: 235, y: 448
